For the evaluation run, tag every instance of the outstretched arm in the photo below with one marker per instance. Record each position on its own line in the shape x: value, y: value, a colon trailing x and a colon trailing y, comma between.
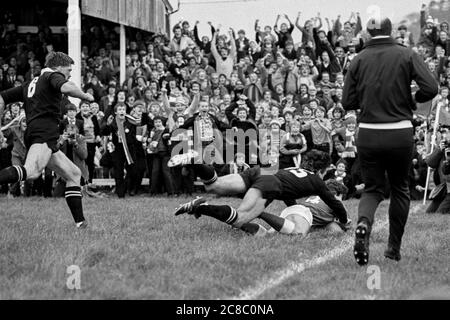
x: 297, y: 22
x: 328, y: 24
x: 334, y: 204
x: 251, y: 109
x: 229, y: 111
x: 291, y: 25
x: 320, y: 21
x: 423, y: 16
x: 214, y: 47
x: 166, y: 103
x: 2, y: 107
x: 71, y: 89
x: 275, y: 27
x: 337, y: 26
x: 233, y: 45
x: 257, y: 29
x: 197, y: 39
x: 193, y: 106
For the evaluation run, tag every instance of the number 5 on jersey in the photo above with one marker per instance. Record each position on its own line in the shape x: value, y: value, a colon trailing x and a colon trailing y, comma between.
x: 32, y: 87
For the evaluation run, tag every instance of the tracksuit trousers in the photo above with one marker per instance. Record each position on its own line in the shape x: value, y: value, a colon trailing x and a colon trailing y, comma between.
x: 380, y: 152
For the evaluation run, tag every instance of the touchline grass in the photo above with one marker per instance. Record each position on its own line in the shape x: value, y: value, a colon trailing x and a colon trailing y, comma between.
x: 137, y: 249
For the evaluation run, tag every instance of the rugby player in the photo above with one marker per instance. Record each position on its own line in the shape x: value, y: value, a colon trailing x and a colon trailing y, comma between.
x: 259, y: 190
x: 310, y: 214
x: 42, y: 98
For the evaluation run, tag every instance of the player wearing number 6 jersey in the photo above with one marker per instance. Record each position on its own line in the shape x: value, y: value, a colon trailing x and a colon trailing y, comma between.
x: 42, y: 99
x: 259, y: 189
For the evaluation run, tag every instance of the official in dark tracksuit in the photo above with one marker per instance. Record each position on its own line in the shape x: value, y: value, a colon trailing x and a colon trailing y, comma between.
x: 378, y: 83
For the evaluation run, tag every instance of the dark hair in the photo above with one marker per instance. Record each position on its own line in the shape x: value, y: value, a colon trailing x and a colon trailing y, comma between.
x: 83, y: 102
x: 336, y: 188
x: 339, y: 109
x: 288, y: 112
x: 242, y: 109
x: 158, y: 118
x: 343, y: 162
x: 58, y: 59
x: 71, y: 106
x: 316, y: 160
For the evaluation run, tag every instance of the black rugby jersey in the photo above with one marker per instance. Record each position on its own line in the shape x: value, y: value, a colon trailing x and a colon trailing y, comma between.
x: 41, y: 96
x: 299, y: 183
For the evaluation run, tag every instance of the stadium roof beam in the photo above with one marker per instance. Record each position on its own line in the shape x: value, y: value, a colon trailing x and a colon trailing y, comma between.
x: 148, y: 15
x: 74, y: 37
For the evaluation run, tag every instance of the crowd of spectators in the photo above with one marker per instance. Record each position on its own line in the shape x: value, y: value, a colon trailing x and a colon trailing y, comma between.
x: 287, y: 90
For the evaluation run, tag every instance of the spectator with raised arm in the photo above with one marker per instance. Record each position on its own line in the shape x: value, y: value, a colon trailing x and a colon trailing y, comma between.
x: 306, y: 30
x: 284, y: 33
x: 204, y: 44
x: 226, y: 59
x: 263, y: 35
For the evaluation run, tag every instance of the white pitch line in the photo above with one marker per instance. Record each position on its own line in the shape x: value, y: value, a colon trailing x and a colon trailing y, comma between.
x: 297, y: 267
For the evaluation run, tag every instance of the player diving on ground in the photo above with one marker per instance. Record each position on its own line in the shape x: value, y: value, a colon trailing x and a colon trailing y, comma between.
x: 310, y: 214
x: 258, y: 190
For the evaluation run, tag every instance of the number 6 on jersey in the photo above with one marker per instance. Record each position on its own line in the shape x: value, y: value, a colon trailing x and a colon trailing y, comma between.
x: 32, y: 87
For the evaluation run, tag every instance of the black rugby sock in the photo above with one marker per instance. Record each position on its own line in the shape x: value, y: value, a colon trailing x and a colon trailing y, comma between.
x: 206, y: 173
x: 13, y: 174
x: 73, y: 199
x: 253, y: 228
x: 273, y: 220
x: 222, y: 213
x: 281, y: 225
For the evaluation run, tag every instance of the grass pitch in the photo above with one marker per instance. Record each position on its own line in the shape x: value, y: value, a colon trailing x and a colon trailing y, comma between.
x: 136, y: 249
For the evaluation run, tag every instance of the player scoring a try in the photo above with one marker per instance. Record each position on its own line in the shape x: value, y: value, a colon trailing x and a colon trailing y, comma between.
x: 310, y: 214
x: 42, y: 99
x: 259, y: 189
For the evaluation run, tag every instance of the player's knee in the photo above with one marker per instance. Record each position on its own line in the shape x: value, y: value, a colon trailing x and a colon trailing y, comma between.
x: 245, y: 216
x: 216, y: 189
x: 33, y: 172
x: 74, y: 174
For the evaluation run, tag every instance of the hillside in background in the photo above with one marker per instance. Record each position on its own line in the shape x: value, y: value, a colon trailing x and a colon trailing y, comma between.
x: 437, y: 9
